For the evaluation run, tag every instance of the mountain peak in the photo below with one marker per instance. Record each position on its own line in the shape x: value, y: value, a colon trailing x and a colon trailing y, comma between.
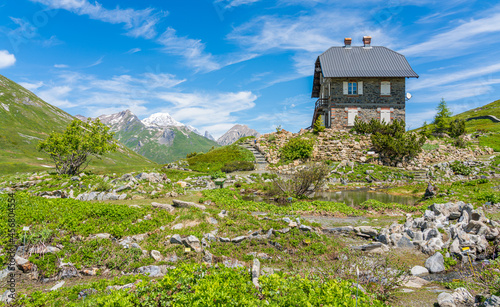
x: 161, y: 120
x: 236, y: 132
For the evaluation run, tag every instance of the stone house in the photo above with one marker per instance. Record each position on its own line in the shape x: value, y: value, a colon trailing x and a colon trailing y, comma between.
x: 365, y: 81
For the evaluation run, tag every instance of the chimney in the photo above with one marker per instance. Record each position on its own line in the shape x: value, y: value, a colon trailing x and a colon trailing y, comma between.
x: 367, y: 40
x: 347, y: 42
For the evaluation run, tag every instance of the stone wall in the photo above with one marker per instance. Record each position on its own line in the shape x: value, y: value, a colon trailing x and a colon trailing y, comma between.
x: 368, y: 104
x: 340, y: 145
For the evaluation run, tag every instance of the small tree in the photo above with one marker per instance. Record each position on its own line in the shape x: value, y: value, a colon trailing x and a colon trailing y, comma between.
x: 457, y: 128
x: 318, y: 125
x: 442, y: 118
x: 74, y: 148
x: 300, y: 183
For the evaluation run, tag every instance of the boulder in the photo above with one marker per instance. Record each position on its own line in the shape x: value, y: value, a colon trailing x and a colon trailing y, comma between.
x: 23, y: 264
x: 187, y: 204
x: 193, y: 243
x: 462, y: 298
x: 156, y: 255
x: 493, y: 301
x: 256, y: 272
x: 445, y: 300
x: 430, y: 191
x: 419, y: 270
x: 151, y: 270
x: 435, y: 263
x: 176, y: 239
x: 167, y: 207
x: 68, y: 271
x: 239, y: 239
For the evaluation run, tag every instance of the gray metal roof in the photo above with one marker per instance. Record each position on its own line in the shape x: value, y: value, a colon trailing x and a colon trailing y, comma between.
x: 364, y: 62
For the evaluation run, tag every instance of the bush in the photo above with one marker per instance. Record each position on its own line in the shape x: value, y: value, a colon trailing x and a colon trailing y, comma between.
x: 238, y: 166
x: 191, y: 154
x: 297, y: 148
x: 318, y: 125
x: 394, y: 144
x: 460, y: 169
x: 457, y: 128
x: 301, y: 181
x: 217, y: 174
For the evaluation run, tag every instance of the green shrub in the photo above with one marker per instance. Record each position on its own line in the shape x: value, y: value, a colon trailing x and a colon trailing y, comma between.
x: 318, y: 125
x: 395, y: 145
x: 215, y: 159
x: 460, y: 169
x: 238, y: 166
x: 457, y: 128
x: 47, y: 264
x: 297, y: 148
x: 217, y: 175
x: 191, y: 154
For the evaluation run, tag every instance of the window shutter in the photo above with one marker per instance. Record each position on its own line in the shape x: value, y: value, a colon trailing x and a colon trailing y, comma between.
x: 345, y: 88
x: 385, y: 88
x: 360, y: 88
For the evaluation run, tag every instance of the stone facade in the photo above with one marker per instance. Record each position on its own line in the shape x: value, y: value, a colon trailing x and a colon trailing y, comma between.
x: 369, y: 104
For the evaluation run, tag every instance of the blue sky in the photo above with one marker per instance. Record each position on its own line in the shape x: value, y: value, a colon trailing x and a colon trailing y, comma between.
x: 214, y: 63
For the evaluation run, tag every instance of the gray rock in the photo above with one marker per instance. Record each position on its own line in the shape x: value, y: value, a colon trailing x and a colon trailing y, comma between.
x: 156, y: 255
x: 172, y: 258
x: 435, y: 263
x: 102, y: 236
x: 212, y: 221
x: 222, y: 214
x: 493, y: 301
x: 284, y: 230
x: 176, y: 239
x: 430, y: 191
x: 404, y: 242
x: 167, y: 207
x: 445, y: 300
x: 209, y: 237
x: 178, y: 226
x: 221, y: 239
x: 151, y: 270
x: 462, y: 297
x: 256, y: 272
x: 68, y: 271
x: 4, y: 273
x: 239, y: 239
x: 419, y: 270
x: 7, y: 297
x: 187, y: 204
x: 193, y: 243
x: 57, y: 286
x: 208, y: 257
x: 366, y: 231
x: 346, y: 229
x: 305, y: 228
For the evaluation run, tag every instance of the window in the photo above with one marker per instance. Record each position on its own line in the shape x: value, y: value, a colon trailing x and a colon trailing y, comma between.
x: 352, y: 88
x: 385, y: 116
x: 385, y: 88
x: 351, y: 116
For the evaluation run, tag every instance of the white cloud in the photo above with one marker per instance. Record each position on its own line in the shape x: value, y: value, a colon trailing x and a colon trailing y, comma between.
x: 98, y: 62
x: 234, y: 3
x: 139, y: 23
x: 31, y: 86
x: 463, y: 37
x: 209, y: 111
x: 6, y: 59
x: 57, y: 96
x: 133, y: 50
x: 61, y: 66
x: 193, y: 50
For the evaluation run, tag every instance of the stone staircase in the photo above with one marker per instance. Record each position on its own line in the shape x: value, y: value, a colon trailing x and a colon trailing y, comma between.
x: 260, y: 160
x: 420, y: 175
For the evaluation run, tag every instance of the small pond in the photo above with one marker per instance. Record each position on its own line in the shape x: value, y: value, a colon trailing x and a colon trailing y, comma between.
x: 353, y: 197
x: 356, y: 197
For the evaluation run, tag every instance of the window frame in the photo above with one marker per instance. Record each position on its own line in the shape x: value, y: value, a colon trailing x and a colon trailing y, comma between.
x: 350, y: 87
x: 381, y: 87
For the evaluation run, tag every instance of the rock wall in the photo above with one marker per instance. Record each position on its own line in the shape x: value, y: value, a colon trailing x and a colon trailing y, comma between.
x: 340, y: 145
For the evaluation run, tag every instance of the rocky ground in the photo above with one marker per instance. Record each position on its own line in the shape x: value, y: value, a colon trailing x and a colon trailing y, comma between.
x: 149, y: 223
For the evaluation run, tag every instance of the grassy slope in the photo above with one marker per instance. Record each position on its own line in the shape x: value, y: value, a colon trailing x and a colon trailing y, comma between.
x: 24, y: 122
x: 215, y: 159
x: 491, y: 138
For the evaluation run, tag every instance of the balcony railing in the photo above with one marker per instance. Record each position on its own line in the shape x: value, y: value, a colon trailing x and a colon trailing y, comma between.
x: 321, y: 103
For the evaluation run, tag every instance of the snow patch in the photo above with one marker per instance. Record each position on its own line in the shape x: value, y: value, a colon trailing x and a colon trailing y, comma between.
x: 161, y: 120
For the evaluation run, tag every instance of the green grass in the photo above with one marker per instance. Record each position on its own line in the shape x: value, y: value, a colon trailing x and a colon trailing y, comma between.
x: 215, y: 159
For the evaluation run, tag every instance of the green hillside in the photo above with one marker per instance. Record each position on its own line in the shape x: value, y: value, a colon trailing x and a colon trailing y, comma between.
x: 25, y: 119
x: 490, y: 131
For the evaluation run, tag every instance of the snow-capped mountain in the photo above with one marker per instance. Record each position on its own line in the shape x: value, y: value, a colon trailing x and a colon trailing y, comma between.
x: 161, y: 120
x: 209, y: 136
x: 159, y: 137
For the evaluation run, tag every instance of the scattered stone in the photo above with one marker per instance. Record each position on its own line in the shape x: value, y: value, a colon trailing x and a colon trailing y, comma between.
x: 167, y: 207
x: 68, y: 271
x: 208, y: 257
x: 419, y: 270
x: 156, y: 255
x: 239, y: 239
x: 256, y: 272
x: 221, y: 239
x: 176, y: 239
x: 151, y: 270
x: 7, y: 297
x: 435, y: 263
x: 57, y: 286
x: 102, y: 236
x: 415, y: 282
x: 212, y: 221
x: 493, y: 301
x: 430, y: 191
x: 23, y: 264
x: 305, y: 228
x: 187, y: 204
x: 462, y: 297
x: 345, y: 230
x: 445, y: 300
x: 222, y: 214
x: 90, y: 272
x: 178, y: 226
